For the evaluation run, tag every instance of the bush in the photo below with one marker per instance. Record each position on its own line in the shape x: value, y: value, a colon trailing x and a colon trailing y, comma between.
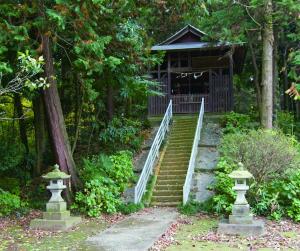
x: 106, y: 177
x: 236, y: 122
x: 95, y: 167
x: 272, y: 158
x: 122, y: 134
x: 99, y: 195
x: 9, y: 203
x: 278, y: 197
x: 129, y: 208
x: 222, y: 187
x: 286, y: 122
x: 122, y: 169
x: 266, y: 154
x: 11, y: 185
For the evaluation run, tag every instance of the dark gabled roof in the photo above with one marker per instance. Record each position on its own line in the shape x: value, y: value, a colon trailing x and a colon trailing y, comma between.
x: 182, y: 32
x: 190, y: 46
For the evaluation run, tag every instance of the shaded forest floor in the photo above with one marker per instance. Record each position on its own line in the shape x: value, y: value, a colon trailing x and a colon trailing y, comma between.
x: 187, y: 233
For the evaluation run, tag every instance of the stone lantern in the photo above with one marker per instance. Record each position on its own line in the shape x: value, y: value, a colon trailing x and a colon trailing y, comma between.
x: 241, y: 220
x: 56, y: 217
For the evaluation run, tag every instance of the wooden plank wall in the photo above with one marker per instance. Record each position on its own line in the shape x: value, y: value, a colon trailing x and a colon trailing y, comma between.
x: 218, y: 99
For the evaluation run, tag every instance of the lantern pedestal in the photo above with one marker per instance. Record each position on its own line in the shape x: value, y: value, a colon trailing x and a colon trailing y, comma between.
x: 56, y: 217
x: 241, y: 220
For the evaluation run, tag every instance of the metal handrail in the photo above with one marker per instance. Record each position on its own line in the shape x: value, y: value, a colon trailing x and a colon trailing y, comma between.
x: 190, y: 171
x: 140, y: 187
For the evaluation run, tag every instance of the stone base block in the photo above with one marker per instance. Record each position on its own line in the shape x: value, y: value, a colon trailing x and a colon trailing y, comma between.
x: 56, y: 206
x: 254, y: 229
x: 240, y: 219
x: 241, y: 209
x: 56, y: 215
x: 54, y: 225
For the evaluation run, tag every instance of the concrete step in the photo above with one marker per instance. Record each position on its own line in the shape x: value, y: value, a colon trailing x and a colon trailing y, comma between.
x: 167, y: 198
x: 172, y: 172
x: 166, y: 204
x: 167, y: 192
x: 176, y: 159
x: 178, y: 182
x: 163, y: 176
x: 165, y: 187
x: 173, y: 163
x: 170, y: 168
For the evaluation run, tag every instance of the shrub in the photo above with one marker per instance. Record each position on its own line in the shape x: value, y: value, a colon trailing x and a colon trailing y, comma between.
x: 266, y: 154
x: 122, y: 134
x: 286, y: 122
x: 129, y: 208
x: 105, y: 179
x: 95, y: 167
x: 117, y: 167
x: 11, y: 185
x: 99, y: 195
x: 122, y: 169
x: 9, y: 203
x: 236, y: 122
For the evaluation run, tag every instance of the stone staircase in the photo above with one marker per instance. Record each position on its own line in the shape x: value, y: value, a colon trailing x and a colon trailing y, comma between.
x: 174, y: 165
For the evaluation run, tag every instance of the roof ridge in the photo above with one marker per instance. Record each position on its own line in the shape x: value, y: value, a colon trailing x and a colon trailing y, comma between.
x: 182, y: 32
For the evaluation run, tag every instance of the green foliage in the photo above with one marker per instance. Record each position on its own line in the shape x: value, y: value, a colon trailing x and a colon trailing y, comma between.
x: 99, y: 195
x: 9, y: 203
x: 122, y: 169
x: 95, y: 167
x: 235, y: 122
x: 224, y: 195
x: 129, y: 208
x: 106, y: 177
x: 11, y: 156
x: 193, y: 207
x: 272, y: 157
x: 121, y: 134
x: 279, y: 197
x: 11, y: 185
x: 266, y: 154
x: 190, y: 208
x: 286, y: 122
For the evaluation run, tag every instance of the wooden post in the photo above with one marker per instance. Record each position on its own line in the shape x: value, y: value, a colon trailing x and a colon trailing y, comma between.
x: 169, y: 77
x: 231, y: 101
x: 210, y: 97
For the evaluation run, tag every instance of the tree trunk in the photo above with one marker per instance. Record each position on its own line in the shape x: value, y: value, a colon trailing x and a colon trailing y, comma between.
x: 56, y: 123
x: 276, y: 91
x: 40, y: 133
x: 267, y: 69
x: 21, y: 119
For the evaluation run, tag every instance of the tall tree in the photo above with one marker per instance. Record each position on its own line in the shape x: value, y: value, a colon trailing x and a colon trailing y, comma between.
x: 267, y: 67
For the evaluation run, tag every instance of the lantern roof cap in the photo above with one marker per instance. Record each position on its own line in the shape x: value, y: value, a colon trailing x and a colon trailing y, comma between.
x: 56, y: 174
x: 240, y: 173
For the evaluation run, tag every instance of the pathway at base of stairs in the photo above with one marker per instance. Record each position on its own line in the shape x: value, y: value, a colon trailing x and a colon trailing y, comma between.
x: 136, y: 233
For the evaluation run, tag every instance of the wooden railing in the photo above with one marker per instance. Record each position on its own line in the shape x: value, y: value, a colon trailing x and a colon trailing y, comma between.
x: 152, y: 155
x: 192, y: 162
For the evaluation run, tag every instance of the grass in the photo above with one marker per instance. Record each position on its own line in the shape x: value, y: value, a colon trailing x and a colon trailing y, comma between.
x: 186, y: 238
x: 17, y: 238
